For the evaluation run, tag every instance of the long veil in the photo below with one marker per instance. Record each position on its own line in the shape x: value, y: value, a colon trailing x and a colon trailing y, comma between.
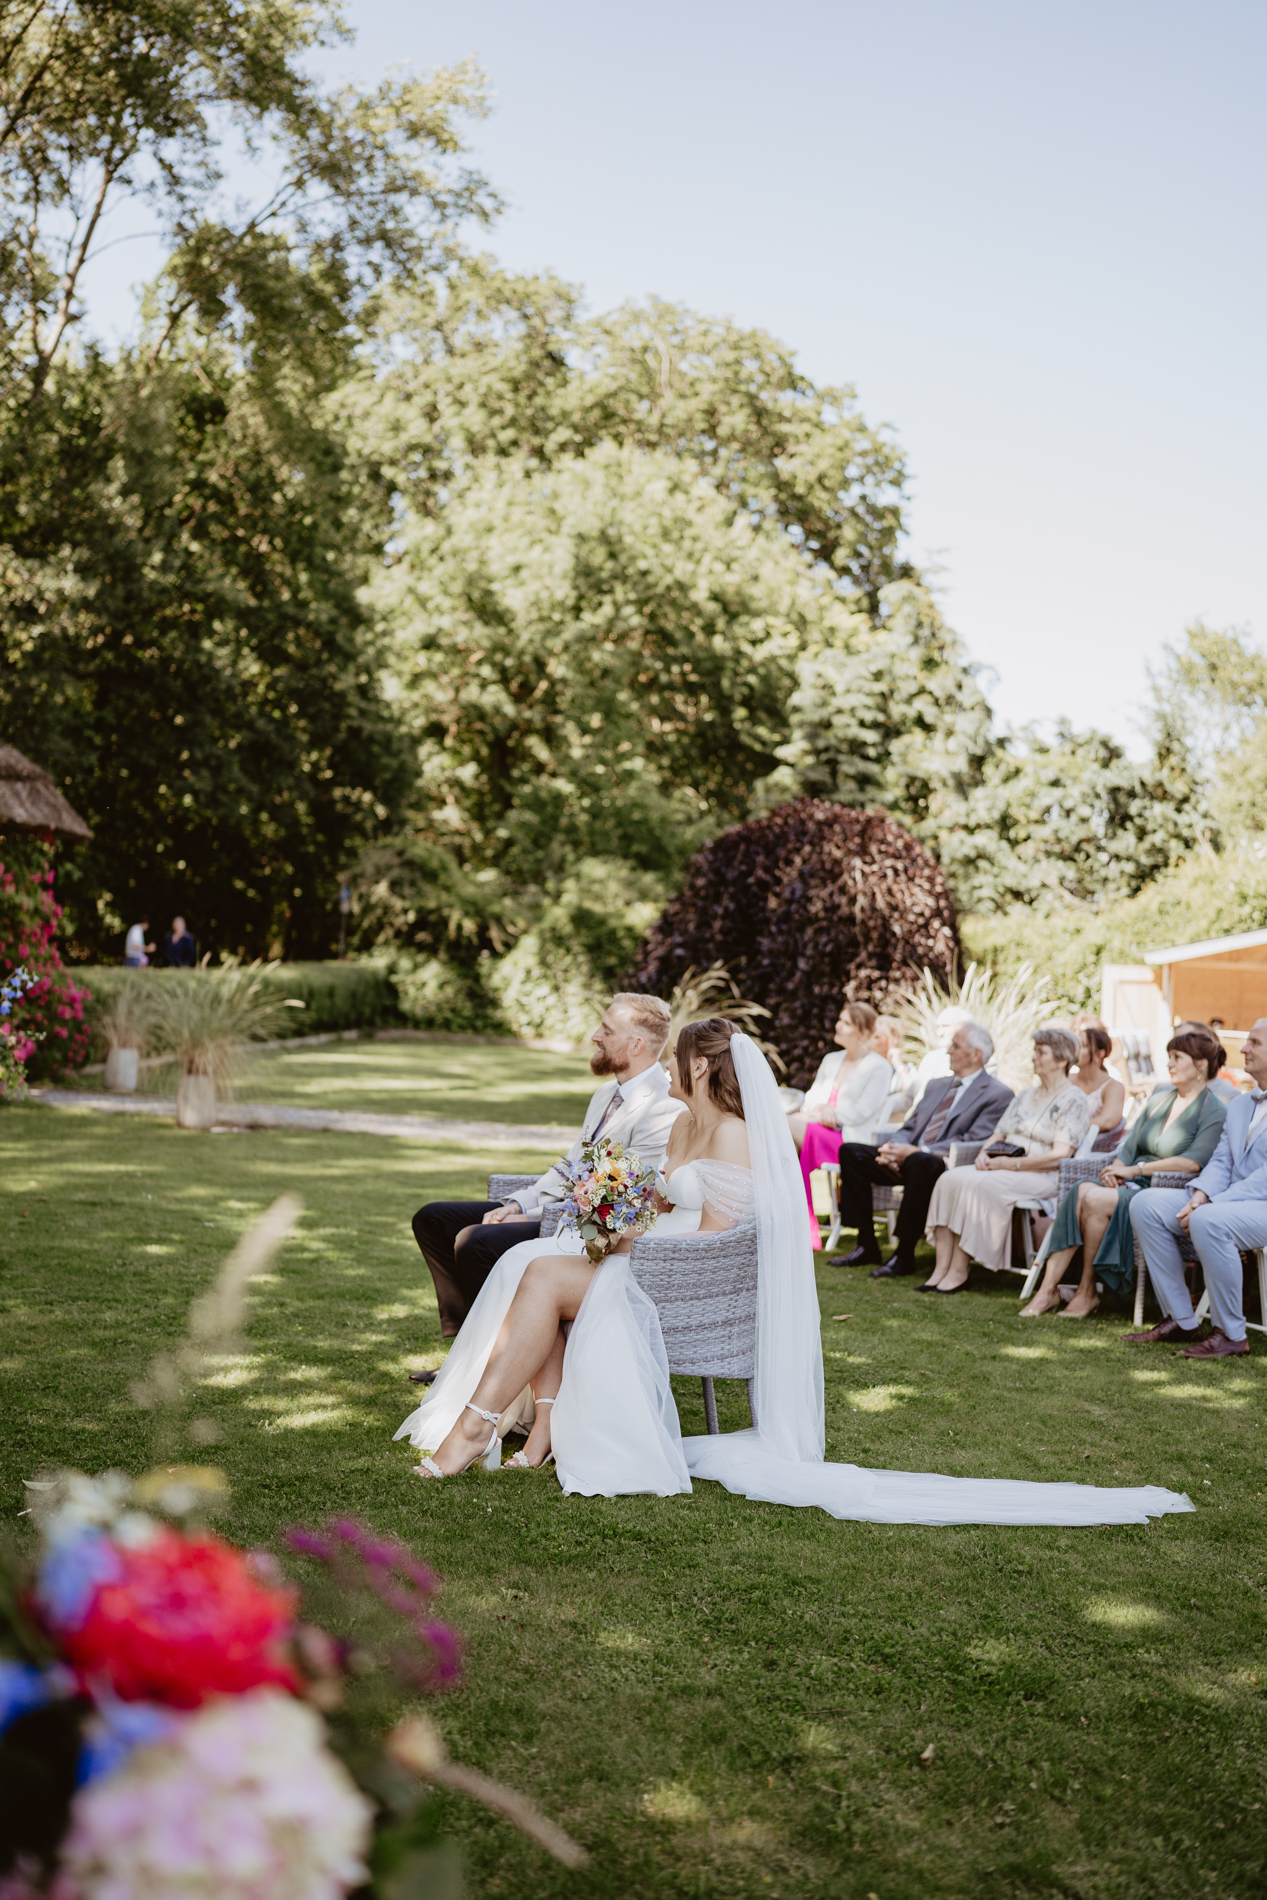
x: 781, y: 1460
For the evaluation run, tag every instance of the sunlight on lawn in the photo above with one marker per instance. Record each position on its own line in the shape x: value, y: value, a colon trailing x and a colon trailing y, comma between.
x: 881, y: 1398
x: 1120, y: 1613
x: 673, y: 1801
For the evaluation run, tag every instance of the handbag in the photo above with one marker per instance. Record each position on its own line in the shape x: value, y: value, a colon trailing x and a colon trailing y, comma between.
x: 1006, y: 1149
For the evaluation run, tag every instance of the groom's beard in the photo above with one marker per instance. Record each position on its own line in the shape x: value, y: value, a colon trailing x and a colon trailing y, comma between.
x: 601, y: 1063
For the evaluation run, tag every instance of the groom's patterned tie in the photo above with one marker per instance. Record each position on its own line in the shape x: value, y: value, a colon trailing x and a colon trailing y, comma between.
x: 607, y: 1113
x: 944, y: 1110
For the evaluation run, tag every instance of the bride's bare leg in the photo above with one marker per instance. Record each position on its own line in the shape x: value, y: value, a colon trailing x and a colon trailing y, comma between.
x: 551, y: 1290
x: 545, y: 1385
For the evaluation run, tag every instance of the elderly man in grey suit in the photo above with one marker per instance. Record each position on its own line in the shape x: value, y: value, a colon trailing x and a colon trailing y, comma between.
x: 1225, y: 1211
x: 461, y: 1241
x: 966, y: 1105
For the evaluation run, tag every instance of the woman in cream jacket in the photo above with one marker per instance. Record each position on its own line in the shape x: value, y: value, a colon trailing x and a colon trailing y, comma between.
x: 844, y: 1104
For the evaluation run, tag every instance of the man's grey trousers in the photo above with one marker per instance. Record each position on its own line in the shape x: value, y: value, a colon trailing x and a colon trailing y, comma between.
x: 1218, y: 1231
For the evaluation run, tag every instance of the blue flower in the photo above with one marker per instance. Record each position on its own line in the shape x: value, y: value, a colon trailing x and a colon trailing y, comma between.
x: 22, y: 1688
x: 115, y: 1731
x: 71, y: 1575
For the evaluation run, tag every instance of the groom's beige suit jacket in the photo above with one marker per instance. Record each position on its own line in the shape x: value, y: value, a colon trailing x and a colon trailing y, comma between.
x: 642, y: 1122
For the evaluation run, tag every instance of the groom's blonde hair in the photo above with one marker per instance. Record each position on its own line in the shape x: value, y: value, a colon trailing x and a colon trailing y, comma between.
x: 649, y: 1014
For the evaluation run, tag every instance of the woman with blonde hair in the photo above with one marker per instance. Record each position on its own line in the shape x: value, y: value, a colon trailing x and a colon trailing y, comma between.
x: 970, y: 1216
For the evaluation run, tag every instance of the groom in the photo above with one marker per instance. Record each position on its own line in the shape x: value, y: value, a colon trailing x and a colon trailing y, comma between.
x: 461, y: 1241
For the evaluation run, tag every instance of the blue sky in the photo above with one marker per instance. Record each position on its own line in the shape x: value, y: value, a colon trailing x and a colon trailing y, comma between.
x: 1031, y: 235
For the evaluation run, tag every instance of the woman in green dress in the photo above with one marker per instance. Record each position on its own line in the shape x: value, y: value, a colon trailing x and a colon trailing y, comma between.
x: 1175, y: 1133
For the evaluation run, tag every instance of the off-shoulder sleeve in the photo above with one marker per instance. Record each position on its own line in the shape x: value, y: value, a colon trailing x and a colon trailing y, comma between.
x: 1209, y: 1128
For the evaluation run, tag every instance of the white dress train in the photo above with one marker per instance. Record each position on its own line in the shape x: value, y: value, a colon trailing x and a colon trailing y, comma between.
x: 615, y: 1427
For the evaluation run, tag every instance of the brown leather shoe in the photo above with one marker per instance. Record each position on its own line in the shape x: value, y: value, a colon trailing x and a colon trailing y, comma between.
x: 1217, y: 1346
x: 1167, y: 1329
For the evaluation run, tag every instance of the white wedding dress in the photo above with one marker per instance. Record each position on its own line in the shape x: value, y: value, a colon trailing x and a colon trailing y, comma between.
x: 615, y: 1426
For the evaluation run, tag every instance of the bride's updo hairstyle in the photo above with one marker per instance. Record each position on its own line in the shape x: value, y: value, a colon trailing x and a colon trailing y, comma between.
x: 711, y: 1039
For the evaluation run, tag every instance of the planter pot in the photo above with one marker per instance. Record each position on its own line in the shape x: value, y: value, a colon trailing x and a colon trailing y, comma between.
x: 196, y: 1102
x: 121, y: 1071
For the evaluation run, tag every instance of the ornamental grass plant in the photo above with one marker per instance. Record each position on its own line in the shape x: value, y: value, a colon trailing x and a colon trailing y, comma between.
x: 1012, y: 1008
x: 208, y: 1018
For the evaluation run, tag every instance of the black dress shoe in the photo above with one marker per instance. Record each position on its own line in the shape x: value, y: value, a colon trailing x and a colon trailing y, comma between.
x: 862, y: 1256
x: 926, y: 1286
x: 894, y: 1269
x: 426, y: 1377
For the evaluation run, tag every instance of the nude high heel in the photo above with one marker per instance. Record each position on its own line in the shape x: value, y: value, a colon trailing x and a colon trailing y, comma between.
x: 521, y: 1461
x: 490, y: 1457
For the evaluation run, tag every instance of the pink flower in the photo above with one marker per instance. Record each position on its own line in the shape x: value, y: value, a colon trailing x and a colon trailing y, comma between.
x: 244, y: 1803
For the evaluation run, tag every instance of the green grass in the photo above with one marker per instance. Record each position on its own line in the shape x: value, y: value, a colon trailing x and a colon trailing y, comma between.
x: 718, y: 1698
x: 469, y: 1081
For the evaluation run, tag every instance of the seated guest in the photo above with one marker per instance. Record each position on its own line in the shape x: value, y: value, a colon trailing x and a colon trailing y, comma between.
x: 1225, y: 1211
x: 461, y: 1241
x: 1106, y: 1096
x: 179, y: 947
x: 936, y: 1061
x: 849, y: 1091
x: 1221, y: 1086
x: 963, y: 1106
x: 1176, y: 1133
x: 970, y: 1217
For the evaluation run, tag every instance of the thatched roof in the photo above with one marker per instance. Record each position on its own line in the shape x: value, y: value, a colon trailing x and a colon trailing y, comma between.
x: 30, y: 801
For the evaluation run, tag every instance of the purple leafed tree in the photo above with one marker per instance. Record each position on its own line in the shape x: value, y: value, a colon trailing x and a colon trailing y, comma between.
x: 809, y: 907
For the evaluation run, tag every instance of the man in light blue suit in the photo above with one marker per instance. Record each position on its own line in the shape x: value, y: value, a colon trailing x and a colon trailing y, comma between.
x: 1225, y: 1211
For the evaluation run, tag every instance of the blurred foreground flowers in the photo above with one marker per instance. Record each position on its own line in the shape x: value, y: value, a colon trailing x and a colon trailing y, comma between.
x: 179, y: 1721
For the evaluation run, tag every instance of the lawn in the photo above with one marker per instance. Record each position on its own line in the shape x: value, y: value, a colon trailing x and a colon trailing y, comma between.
x: 465, y: 1079
x: 718, y: 1698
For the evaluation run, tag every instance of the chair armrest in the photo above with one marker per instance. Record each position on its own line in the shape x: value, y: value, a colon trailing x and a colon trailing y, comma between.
x: 503, y: 1187
x: 1077, y: 1168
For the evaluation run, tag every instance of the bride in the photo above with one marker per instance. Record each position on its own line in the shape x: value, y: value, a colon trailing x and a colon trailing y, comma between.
x: 605, y: 1410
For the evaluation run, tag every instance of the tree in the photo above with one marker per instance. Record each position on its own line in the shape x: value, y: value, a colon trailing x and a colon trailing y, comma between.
x: 182, y: 641
x: 808, y: 906
x: 101, y: 102
x: 597, y: 658
x: 484, y: 365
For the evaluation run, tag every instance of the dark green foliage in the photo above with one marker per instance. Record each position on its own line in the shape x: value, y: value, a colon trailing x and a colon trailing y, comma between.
x: 809, y: 906
x: 181, y: 646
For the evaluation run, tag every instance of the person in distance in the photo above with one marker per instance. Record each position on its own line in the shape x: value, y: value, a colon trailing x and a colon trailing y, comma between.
x: 1225, y: 1211
x: 846, y: 1099
x: 461, y: 1241
x: 1176, y: 1133
x: 963, y: 1106
x: 970, y: 1217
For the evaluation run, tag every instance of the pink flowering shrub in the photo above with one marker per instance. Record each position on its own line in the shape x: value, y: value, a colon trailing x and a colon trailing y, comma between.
x: 46, y: 1029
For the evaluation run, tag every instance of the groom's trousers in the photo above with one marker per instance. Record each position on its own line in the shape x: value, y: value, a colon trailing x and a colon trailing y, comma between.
x: 460, y: 1269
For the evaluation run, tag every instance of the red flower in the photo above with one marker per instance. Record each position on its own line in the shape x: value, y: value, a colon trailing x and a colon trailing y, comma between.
x: 186, y: 1620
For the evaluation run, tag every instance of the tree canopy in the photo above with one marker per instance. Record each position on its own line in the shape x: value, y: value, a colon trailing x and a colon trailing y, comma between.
x: 367, y: 558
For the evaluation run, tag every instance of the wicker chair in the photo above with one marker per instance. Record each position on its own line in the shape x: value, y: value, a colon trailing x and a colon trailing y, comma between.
x: 704, y: 1288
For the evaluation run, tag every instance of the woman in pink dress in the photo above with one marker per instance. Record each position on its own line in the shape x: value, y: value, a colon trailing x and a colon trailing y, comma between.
x: 845, y: 1102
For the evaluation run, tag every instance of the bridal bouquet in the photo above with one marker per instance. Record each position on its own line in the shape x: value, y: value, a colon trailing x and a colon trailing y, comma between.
x: 612, y: 1195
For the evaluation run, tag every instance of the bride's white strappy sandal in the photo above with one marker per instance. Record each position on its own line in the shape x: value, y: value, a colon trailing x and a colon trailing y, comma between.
x: 428, y: 1468
x: 521, y: 1460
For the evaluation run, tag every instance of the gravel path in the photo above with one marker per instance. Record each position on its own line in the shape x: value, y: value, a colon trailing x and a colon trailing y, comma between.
x: 332, y: 1120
